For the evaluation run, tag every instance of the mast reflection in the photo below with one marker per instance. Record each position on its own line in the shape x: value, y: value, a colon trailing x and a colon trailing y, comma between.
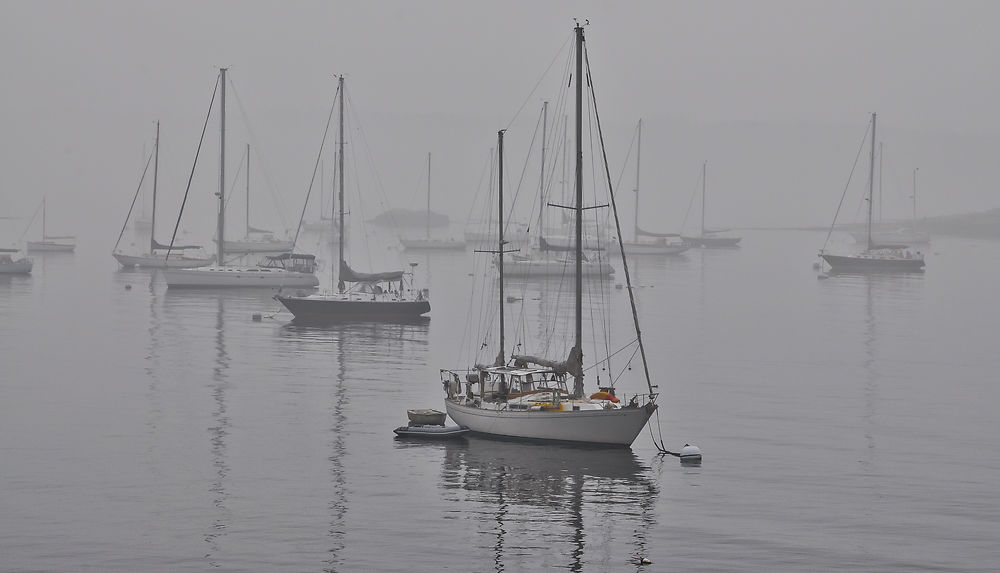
x: 569, y: 499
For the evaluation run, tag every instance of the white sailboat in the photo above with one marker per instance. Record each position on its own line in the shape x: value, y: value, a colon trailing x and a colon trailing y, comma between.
x: 156, y: 257
x: 291, y: 271
x: 383, y: 296
x: 427, y: 243
x: 11, y: 266
x: 256, y: 240
x: 899, y: 236
x: 529, y: 398
x: 876, y: 257
x: 550, y: 256
x: 52, y: 243
x: 711, y: 238
x: 645, y: 242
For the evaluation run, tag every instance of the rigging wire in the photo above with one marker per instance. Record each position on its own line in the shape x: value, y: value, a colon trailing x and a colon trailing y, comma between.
x: 256, y: 143
x: 134, y: 197
x: 197, y: 153
x: 614, y: 208
x: 847, y: 185
x: 539, y: 82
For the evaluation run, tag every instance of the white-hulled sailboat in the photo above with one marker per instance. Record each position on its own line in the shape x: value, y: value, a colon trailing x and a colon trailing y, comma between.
x: 156, y: 257
x: 427, y: 243
x: 654, y: 243
x: 11, y: 266
x: 527, y: 397
x: 711, y: 238
x: 876, y: 257
x: 256, y: 241
x: 291, y: 271
x: 383, y: 296
x: 53, y: 243
x: 551, y: 255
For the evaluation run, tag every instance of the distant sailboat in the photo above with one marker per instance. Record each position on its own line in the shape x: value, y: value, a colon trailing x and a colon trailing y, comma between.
x: 291, y: 271
x: 358, y: 296
x: 876, y: 257
x: 427, y: 243
x: 709, y: 237
x: 157, y: 255
x: 655, y: 243
x: 52, y: 243
x: 11, y: 266
x: 902, y: 235
x: 256, y: 240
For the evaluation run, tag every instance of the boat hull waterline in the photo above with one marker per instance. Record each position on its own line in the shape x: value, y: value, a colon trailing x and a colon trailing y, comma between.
x: 713, y: 242
x: 619, y: 426
x: 238, y: 277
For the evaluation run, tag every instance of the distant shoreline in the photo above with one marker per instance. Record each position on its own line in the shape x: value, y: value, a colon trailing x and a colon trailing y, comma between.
x: 982, y: 225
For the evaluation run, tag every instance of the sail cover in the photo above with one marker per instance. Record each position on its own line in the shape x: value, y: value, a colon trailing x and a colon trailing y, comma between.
x: 572, y: 365
x: 256, y: 230
x: 642, y: 233
x: 161, y: 247
x: 349, y: 275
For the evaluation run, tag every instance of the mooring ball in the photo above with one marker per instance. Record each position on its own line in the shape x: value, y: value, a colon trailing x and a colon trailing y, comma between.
x: 690, y: 454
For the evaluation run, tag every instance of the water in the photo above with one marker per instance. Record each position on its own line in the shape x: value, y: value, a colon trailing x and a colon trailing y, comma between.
x: 847, y: 424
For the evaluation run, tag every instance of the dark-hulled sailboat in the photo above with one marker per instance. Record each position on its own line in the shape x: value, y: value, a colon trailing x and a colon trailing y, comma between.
x: 875, y: 257
x: 358, y: 296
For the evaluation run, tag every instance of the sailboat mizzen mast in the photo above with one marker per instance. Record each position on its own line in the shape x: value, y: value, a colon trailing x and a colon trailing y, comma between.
x: 871, y: 184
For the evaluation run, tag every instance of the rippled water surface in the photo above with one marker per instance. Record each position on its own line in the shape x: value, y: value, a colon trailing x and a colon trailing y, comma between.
x: 847, y: 423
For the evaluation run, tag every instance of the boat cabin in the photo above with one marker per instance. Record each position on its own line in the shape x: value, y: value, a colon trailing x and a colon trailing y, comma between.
x: 511, y: 384
x: 295, y: 262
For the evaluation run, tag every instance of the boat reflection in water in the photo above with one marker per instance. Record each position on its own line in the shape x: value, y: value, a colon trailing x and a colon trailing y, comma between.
x: 550, y: 505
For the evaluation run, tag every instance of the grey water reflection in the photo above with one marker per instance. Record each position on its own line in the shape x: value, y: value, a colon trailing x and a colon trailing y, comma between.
x: 571, y: 506
x: 218, y: 433
x: 361, y: 353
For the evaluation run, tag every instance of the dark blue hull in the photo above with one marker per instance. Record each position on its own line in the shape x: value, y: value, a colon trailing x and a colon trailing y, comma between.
x: 315, y: 310
x: 873, y: 264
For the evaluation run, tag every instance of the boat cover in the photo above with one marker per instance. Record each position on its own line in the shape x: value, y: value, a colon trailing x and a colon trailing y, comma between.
x: 572, y: 365
x: 642, y: 233
x: 349, y: 275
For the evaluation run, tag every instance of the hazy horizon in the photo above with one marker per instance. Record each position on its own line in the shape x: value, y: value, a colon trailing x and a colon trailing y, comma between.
x: 774, y: 95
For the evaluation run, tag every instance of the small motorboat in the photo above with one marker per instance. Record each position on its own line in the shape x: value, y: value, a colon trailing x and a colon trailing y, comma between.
x: 426, y: 417
x: 431, y: 431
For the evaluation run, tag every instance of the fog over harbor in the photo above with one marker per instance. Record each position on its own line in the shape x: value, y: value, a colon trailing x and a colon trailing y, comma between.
x: 435, y: 405
x: 774, y: 95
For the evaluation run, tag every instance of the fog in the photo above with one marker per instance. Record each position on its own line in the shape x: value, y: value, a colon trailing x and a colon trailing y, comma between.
x: 774, y: 95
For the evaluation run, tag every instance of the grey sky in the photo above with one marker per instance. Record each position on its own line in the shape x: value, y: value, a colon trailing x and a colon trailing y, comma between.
x: 775, y: 95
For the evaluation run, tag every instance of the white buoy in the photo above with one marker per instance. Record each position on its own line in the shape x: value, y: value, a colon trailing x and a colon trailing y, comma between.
x: 690, y: 454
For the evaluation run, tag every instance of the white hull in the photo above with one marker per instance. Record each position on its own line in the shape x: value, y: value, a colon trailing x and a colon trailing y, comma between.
x: 611, y: 427
x: 21, y: 267
x: 246, y: 247
x: 238, y: 277
x: 51, y: 246
x: 554, y: 268
x: 655, y: 249
x: 433, y: 244
x: 159, y: 262
x: 893, y: 237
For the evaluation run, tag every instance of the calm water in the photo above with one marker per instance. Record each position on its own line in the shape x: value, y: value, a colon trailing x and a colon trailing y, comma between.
x: 847, y: 424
